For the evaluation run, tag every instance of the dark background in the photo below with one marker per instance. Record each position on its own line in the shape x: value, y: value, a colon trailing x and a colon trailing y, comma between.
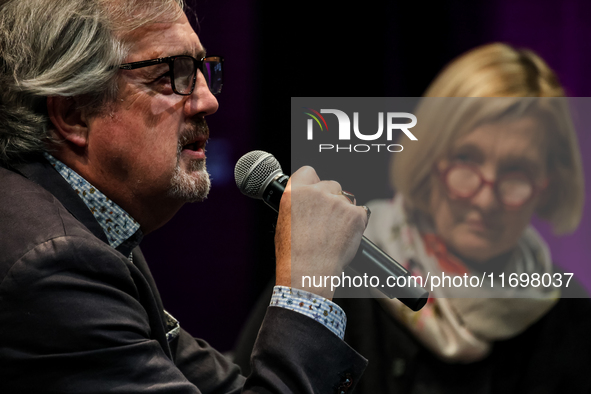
x: 213, y: 258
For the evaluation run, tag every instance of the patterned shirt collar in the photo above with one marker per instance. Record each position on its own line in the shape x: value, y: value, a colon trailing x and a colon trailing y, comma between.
x: 117, y: 224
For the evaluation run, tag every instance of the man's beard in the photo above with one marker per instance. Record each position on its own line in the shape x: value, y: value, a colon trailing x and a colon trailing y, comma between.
x: 193, y: 184
x: 186, y: 186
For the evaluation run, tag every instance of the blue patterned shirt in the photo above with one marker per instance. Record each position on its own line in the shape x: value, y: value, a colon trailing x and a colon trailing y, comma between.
x: 116, y: 223
x: 314, y: 306
x: 118, y: 226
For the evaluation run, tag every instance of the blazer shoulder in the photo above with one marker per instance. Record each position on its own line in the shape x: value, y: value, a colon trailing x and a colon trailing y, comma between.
x: 30, y: 216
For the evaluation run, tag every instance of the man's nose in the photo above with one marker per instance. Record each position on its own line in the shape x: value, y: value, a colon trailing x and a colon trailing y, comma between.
x: 201, y: 102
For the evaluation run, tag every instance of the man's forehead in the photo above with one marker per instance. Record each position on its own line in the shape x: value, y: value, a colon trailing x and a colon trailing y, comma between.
x: 164, y: 39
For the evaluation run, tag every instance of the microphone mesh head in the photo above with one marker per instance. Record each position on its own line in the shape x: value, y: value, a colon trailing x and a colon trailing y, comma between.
x: 253, y: 169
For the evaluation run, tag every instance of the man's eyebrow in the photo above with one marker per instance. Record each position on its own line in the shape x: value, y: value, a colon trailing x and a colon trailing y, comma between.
x: 196, y: 52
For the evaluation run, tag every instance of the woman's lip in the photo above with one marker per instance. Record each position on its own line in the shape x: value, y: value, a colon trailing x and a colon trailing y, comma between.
x: 479, y: 225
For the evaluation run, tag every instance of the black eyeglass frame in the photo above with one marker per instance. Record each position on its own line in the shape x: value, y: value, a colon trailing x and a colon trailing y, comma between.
x: 199, y: 65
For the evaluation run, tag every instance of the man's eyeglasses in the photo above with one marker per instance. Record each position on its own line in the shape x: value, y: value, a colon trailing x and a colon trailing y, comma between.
x: 183, y: 71
x: 464, y: 181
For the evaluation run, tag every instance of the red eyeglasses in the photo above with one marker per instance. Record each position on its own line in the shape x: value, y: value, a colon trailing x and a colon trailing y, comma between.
x: 514, y: 189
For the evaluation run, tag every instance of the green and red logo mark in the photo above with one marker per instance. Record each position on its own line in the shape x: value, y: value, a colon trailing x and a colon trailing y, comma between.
x: 315, y: 116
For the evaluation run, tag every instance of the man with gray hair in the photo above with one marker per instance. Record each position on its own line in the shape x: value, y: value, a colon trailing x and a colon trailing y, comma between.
x: 102, y: 137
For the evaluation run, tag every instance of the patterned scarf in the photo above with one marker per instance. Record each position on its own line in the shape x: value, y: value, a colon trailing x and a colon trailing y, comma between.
x: 460, y: 324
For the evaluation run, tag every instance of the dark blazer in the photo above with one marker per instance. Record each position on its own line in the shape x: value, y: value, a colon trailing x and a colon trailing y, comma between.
x: 553, y: 356
x: 77, y: 316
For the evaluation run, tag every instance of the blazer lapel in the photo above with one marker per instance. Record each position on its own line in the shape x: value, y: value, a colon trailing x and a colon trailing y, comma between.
x: 42, y: 173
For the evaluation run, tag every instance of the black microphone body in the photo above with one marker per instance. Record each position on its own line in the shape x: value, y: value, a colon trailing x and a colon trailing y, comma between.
x: 369, y: 259
x: 273, y: 192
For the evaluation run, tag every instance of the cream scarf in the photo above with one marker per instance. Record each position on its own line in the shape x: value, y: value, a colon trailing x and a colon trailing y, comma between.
x: 458, y: 324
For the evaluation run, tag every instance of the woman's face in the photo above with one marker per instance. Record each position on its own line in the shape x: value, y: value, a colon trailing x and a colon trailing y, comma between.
x: 481, y: 227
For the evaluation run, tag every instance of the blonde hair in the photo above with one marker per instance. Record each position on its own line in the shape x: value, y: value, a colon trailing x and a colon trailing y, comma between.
x: 516, y: 83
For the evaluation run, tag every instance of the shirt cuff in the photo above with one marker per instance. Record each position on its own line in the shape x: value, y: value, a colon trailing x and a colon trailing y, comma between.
x: 314, y: 306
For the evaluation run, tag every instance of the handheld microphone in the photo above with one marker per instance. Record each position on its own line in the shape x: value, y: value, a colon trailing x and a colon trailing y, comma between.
x: 258, y: 175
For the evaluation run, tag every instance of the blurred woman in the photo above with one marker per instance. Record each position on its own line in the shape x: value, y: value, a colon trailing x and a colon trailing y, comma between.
x: 495, y: 146
x: 499, y: 148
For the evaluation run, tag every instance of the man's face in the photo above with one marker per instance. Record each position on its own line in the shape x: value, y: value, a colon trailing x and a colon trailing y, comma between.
x: 148, y: 149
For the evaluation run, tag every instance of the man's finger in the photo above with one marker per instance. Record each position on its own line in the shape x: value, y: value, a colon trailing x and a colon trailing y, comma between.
x: 367, y: 213
x: 305, y: 176
x: 332, y: 187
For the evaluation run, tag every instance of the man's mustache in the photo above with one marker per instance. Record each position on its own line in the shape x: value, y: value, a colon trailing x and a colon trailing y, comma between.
x: 197, y: 129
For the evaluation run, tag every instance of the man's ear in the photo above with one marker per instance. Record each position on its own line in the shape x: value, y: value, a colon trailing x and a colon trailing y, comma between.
x: 68, y: 119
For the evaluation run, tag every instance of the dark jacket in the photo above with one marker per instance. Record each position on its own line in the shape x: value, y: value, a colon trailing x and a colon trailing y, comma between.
x: 77, y: 316
x: 551, y: 356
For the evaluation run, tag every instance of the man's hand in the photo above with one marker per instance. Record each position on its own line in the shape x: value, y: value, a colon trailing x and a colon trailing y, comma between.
x: 318, y: 231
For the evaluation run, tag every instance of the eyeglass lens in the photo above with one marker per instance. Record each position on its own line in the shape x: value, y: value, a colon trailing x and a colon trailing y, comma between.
x: 515, y: 191
x: 212, y: 69
x: 184, y: 72
x: 512, y: 189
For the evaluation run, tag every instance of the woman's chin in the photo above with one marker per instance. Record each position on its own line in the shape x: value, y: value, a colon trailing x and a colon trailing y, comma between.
x: 476, y: 249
